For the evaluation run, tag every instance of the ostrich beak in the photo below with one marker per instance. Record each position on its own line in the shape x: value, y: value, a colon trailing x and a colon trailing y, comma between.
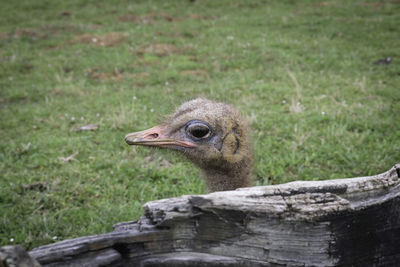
x: 155, y: 137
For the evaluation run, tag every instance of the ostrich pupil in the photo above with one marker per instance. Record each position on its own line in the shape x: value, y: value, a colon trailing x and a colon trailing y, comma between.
x: 199, y: 132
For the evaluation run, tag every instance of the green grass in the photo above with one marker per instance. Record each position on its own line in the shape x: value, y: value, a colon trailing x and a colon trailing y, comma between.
x: 301, y: 71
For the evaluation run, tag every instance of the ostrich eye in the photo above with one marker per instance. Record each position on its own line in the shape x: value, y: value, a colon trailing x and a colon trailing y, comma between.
x: 198, y: 130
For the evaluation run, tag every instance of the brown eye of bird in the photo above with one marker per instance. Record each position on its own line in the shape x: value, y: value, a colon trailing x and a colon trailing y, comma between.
x: 198, y: 131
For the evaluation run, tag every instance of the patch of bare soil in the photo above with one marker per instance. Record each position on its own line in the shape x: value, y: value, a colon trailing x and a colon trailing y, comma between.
x: 372, y: 4
x: 201, y: 17
x: 36, y: 186
x: 148, y: 18
x: 141, y: 75
x: 177, y: 34
x: 65, y: 14
x: 115, y: 75
x: 196, y: 59
x: 57, y: 91
x: 161, y: 50
x: 151, y: 17
x: 20, y: 33
x: 96, y: 74
x: 79, y: 92
x: 250, y: 5
x: 170, y: 18
x: 143, y: 62
x: 322, y: 4
x: 109, y: 39
x: 39, y: 33
x: 195, y: 73
x: 60, y: 92
x: 144, y: 19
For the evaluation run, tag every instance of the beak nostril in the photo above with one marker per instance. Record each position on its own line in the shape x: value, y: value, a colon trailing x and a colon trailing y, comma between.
x: 154, y: 135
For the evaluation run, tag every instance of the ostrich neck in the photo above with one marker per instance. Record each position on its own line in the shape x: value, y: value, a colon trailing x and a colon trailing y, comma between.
x: 228, y: 177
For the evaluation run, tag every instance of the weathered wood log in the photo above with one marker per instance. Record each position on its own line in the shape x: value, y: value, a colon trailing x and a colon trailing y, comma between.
x: 345, y: 222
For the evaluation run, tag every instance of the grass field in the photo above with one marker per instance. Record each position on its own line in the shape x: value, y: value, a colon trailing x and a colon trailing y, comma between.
x: 301, y: 71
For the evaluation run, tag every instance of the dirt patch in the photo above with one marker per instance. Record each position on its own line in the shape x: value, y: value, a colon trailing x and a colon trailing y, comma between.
x: 26, y: 68
x: 143, y: 19
x: 66, y: 92
x: 144, y: 62
x: 148, y: 18
x: 151, y: 18
x: 109, y: 39
x: 245, y: 4
x: 177, y: 34
x: 36, y: 186
x: 169, y: 18
x: 201, y: 17
x: 60, y: 92
x: 3, y: 35
x: 195, y: 73
x: 39, y: 33
x: 21, y: 33
x: 161, y: 50
x: 65, y: 14
x: 372, y: 4
x: 57, y: 91
x: 322, y: 4
x: 96, y: 74
x: 115, y: 75
x: 141, y: 75
x: 196, y: 59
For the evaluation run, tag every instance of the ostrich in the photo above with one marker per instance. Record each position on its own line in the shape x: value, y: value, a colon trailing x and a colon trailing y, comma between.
x: 210, y: 134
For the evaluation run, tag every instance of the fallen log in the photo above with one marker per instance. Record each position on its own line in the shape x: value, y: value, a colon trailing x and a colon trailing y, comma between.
x: 344, y: 222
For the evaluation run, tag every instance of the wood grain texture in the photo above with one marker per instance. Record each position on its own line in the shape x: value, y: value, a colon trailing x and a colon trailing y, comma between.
x: 344, y: 222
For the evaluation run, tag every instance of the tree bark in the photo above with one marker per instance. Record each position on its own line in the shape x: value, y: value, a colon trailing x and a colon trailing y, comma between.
x: 345, y: 222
